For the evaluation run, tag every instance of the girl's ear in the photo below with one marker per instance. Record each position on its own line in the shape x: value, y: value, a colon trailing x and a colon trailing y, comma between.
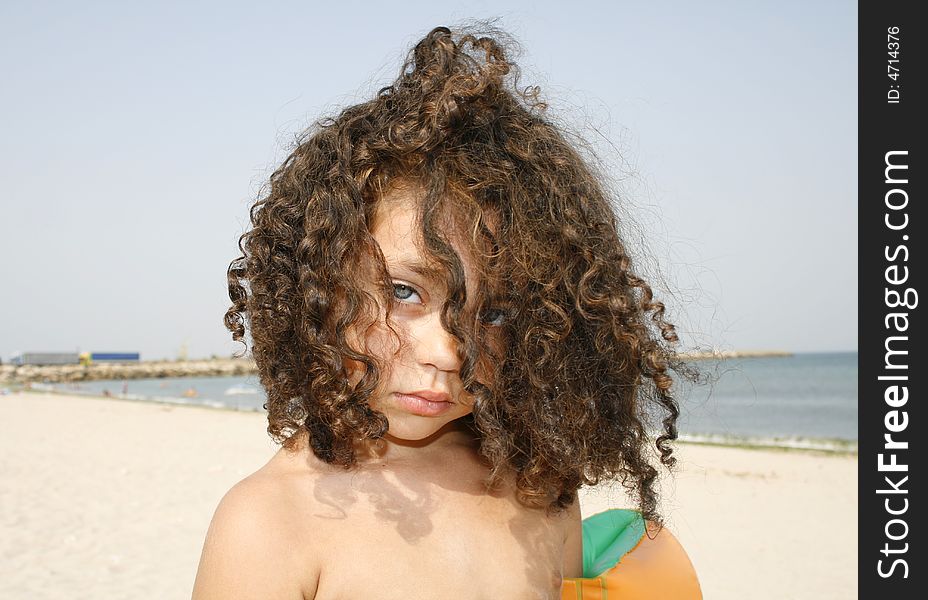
x: 355, y: 371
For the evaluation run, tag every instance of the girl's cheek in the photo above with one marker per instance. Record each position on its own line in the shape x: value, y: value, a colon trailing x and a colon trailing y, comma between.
x: 381, y: 344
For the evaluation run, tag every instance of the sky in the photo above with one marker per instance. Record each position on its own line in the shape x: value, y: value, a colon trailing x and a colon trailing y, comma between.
x: 134, y: 138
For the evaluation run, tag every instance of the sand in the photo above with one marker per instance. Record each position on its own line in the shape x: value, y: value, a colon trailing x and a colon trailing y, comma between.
x: 105, y: 498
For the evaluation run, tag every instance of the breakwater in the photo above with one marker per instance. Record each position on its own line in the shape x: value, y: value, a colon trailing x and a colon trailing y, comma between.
x: 216, y: 367
x: 734, y: 354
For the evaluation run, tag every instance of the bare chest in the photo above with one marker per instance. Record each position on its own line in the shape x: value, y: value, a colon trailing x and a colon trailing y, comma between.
x: 394, y: 535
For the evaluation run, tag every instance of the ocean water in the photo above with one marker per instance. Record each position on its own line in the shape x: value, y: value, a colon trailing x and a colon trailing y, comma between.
x: 801, y: 400
x: 236, y: 393
x: 804, y: 400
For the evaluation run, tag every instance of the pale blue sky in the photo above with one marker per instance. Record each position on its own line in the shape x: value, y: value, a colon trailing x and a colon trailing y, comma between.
x: 134, y: 139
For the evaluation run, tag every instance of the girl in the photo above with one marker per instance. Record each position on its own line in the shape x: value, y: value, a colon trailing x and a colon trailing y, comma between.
x: 452, y: 340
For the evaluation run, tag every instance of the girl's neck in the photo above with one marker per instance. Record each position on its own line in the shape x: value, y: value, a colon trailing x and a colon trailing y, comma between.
x: 453, y: 436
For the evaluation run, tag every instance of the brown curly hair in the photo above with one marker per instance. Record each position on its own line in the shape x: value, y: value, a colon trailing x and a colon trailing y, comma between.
x: 583, y: 368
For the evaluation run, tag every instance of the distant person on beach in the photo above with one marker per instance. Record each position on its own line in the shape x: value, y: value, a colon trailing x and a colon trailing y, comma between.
x: 453, y: 340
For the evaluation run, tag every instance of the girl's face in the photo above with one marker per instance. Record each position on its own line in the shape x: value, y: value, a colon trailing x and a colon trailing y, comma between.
x: 420, y: 390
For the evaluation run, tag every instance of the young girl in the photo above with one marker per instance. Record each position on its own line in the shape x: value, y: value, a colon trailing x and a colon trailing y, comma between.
x: 452, y: 340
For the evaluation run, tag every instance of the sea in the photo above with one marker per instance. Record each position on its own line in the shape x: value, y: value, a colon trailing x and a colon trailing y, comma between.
x: 806, y: 400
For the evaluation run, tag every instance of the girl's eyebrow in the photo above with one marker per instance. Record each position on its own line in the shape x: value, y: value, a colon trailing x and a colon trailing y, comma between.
x: 433, y: 274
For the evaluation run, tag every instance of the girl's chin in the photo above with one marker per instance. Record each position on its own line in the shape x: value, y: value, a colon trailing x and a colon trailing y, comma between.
x: 412, y: 428
x: 407, y: 432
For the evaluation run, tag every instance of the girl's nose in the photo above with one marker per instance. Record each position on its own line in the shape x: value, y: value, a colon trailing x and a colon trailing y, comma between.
x: 435, y: 345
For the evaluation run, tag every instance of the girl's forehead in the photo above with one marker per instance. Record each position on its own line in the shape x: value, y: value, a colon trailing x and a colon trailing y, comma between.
x: 403, y: 199
x: 397, y: 230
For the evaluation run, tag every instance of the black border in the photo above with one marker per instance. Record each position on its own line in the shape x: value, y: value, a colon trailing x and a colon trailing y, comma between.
x: 885, y: 127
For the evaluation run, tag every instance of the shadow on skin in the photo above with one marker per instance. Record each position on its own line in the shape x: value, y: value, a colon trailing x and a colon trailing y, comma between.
x: 403, y: 492
x: 408, y: 504
x: 406, y: 495
x: 538, y: 543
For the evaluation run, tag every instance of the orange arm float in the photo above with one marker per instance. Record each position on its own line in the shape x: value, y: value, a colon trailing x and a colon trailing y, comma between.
x: 620, y: 562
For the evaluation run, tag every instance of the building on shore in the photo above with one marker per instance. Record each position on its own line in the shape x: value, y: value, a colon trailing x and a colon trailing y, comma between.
x: 89, y: 358
x: 73, y: 358
x: 46, y: 358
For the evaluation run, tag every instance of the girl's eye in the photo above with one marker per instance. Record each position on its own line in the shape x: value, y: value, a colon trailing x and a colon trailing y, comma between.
x: 405, y: 293
x: 494, y: 316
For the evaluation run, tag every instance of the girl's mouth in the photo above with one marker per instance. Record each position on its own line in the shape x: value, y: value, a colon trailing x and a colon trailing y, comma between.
x: 420, y: 406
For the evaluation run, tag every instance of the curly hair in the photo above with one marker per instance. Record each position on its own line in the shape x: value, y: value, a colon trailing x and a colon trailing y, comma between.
x: 583, y: 369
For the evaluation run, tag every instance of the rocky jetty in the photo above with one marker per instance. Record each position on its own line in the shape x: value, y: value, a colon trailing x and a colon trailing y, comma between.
x: 734, y: 354
x: 216, y: 367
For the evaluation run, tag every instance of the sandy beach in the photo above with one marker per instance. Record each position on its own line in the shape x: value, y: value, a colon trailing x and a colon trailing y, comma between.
x: 105, y: 498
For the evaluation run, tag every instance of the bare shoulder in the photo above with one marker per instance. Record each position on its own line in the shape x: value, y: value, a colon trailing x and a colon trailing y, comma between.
x: 253, y: 548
